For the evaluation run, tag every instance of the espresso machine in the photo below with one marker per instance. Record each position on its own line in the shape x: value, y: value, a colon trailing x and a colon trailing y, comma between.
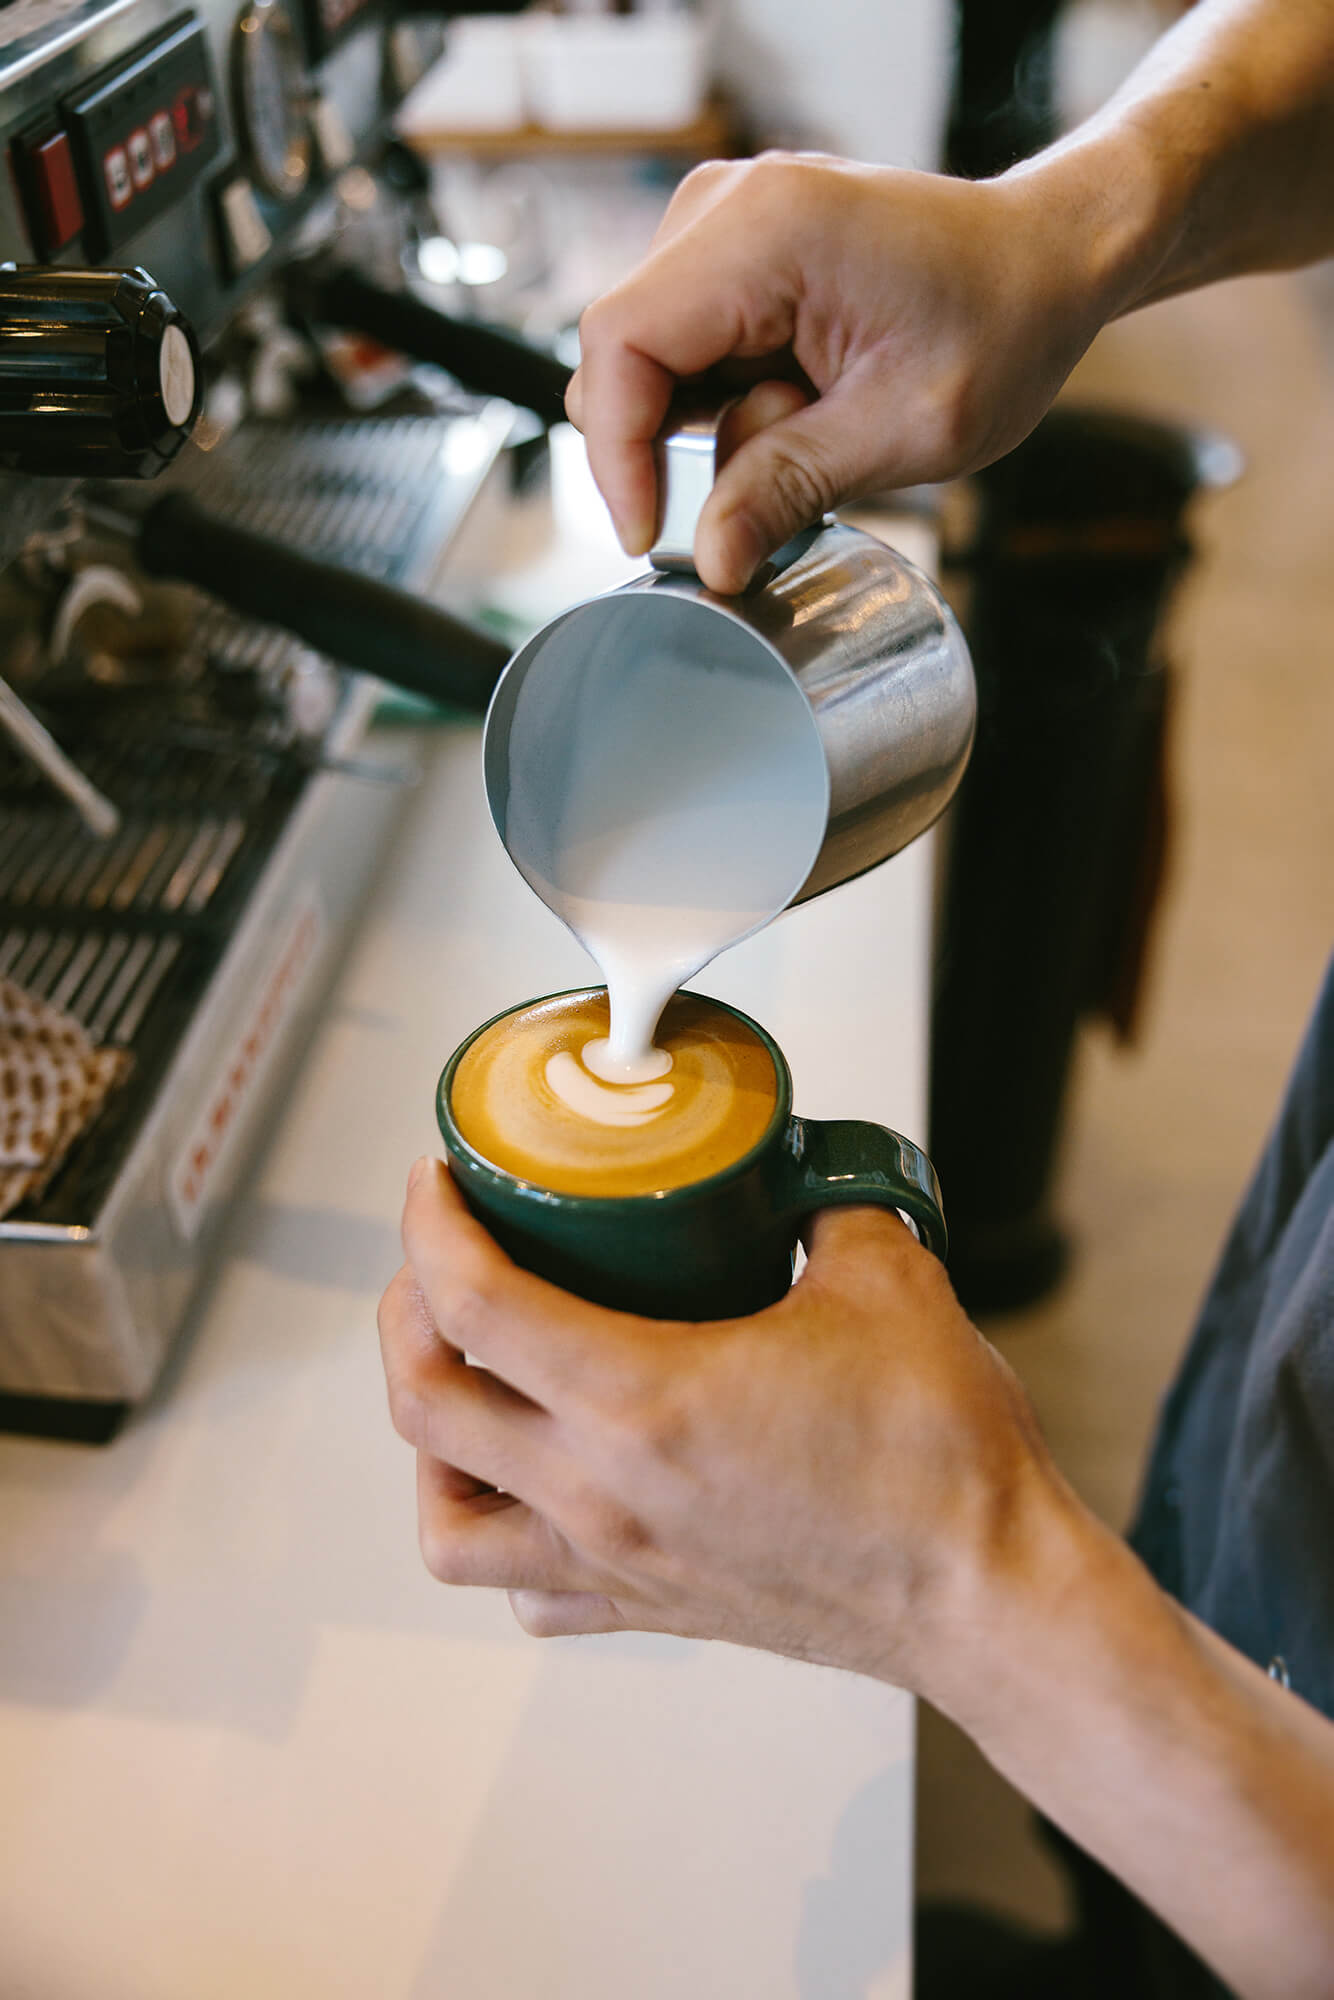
x: 199, y: 573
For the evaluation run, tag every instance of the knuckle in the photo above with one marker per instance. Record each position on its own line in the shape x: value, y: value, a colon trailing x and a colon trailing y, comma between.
x: 598, y: 323
x: 444, y: 1553
x: 606, y: 1529
x: 777, y: 165
x: 407, y: 1411
x: 537, y: 1615
x: 657, y: 1427
x: 793, y: 184
x: 468, y: 1301
x: 704, y: 179
x: 395, y: 1300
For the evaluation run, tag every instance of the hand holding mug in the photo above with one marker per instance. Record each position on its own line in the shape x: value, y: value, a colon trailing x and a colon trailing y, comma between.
x: 826, y: 1479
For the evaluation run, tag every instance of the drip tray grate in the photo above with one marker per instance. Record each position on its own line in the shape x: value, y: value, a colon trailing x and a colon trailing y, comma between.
x: 107, y: 982
x: 124, y: 934
x: 151, y: 864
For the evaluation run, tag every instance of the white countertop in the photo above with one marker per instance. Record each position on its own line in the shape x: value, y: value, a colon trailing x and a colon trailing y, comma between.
x: 249, y: 1748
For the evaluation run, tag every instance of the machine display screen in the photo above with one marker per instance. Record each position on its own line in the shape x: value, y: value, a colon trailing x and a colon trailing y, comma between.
x: 144, y: 132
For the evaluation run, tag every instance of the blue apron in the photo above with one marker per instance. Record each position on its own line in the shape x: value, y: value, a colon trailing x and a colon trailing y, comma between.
x: 1237, y: 1515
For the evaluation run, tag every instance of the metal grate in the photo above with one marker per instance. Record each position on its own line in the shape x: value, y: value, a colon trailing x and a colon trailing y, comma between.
x: 125, y: 934
x: 159, y: 864
x: 107, y: 982
x: 359, y: 494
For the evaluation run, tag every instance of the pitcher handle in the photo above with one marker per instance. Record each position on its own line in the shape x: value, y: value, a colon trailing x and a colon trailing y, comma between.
x: 687, y: 458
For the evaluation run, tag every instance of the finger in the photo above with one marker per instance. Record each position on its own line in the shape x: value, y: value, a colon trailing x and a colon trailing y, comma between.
x: 687, y: 309
x: 490, y: 1539
x: 574, y: 400
x: 784, y: 477
x: 552, y: 1348
x: 485, y: 1432
x: 769, y: 402
x: 478, y: 1426
x: 843, y: 1240
x: 546, y: 1614
x: 624, y: 399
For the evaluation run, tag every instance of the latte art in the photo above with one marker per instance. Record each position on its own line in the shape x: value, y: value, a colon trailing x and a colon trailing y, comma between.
x: 538, y: 1096
x: 572, y: 1079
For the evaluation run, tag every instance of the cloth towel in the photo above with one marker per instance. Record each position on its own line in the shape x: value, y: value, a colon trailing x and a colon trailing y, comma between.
x: 53, y: 1083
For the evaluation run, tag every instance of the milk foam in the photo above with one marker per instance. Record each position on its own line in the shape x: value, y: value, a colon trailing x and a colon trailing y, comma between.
x: 526, y: 1101
x: 665, y: 794
x: 607, y: 1104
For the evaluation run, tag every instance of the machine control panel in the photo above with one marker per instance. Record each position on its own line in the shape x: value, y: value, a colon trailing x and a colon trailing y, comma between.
x: 138, y: 136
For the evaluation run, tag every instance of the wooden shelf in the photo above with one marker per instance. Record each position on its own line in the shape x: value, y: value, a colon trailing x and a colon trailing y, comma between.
x: 711, y: 136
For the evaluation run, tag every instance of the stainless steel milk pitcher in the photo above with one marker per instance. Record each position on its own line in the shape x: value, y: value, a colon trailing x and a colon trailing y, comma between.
x: 888, y: 697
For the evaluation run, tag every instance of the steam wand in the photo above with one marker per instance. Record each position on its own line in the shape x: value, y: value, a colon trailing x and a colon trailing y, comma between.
x: 37, y: 743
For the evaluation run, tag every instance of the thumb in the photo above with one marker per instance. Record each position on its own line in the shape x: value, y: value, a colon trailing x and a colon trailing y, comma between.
x: 783, y: 477
x: 842, y: 1242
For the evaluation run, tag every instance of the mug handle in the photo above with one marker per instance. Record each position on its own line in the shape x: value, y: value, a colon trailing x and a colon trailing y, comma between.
x: 842, y: 1162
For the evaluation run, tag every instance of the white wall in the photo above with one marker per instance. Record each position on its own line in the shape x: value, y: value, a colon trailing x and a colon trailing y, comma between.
x: 865, y: 78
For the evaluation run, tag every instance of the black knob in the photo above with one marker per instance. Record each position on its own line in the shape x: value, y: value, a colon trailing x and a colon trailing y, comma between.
x: 99, y: 373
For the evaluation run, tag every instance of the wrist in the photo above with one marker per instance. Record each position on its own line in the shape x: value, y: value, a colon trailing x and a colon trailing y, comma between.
x: 1108, y: 208
x: 1006, y: 1614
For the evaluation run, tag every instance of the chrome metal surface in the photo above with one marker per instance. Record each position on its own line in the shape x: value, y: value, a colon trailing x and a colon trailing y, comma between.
x: 865, y: 635
x: 687, y: 462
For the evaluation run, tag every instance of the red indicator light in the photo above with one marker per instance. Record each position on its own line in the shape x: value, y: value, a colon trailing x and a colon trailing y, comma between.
x: 59, y: 205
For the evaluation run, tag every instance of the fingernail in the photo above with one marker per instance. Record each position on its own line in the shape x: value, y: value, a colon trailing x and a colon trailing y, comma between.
x: 636, y: 539
x: 419, y: 1168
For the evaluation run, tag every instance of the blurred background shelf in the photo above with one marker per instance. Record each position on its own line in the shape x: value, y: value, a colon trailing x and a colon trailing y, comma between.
x: 713, y: 135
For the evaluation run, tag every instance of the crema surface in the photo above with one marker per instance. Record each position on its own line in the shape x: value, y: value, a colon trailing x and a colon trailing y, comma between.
x: 535, y: 1096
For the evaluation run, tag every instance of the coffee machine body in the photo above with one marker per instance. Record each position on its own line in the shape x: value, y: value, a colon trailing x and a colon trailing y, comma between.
x: 206, y: 146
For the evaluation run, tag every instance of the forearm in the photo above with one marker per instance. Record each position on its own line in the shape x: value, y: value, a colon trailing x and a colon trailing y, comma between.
x: 1203, y: 1785
x: 1215, y: 158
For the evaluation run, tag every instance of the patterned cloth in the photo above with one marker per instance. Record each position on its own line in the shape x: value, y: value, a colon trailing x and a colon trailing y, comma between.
x: 53, y: 1083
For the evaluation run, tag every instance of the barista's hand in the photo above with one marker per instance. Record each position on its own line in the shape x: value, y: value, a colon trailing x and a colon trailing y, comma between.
x: 932, y: 319
x: 827, y: 1479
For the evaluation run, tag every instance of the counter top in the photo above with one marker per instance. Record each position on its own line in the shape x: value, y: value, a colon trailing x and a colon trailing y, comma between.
x: 248, y: 1747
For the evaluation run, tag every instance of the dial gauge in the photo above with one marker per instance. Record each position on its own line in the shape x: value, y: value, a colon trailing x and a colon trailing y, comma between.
x: 271, y: 99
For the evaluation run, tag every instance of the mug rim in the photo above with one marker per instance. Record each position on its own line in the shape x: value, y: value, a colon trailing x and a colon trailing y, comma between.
x: 501, y: 1177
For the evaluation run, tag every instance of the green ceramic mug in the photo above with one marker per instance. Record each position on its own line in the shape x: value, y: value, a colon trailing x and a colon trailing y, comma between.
x: 713, y: 1248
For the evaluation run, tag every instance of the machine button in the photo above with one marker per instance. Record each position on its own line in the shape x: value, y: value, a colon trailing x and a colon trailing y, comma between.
x: 141, y: 157
x: 53, y: 182
x: 116, y: 169
x: 192, y: 115
x: 164, y: 140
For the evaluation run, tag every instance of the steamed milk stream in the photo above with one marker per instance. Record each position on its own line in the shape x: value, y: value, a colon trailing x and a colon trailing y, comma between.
x: 664, y: 806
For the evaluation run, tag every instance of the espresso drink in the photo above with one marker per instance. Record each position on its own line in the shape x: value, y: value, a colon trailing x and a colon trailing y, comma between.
x: 538, y: 1094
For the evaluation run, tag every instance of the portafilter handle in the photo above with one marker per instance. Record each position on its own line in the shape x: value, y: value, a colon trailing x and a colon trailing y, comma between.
x: 353, y: 619
x: 486, y: 359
